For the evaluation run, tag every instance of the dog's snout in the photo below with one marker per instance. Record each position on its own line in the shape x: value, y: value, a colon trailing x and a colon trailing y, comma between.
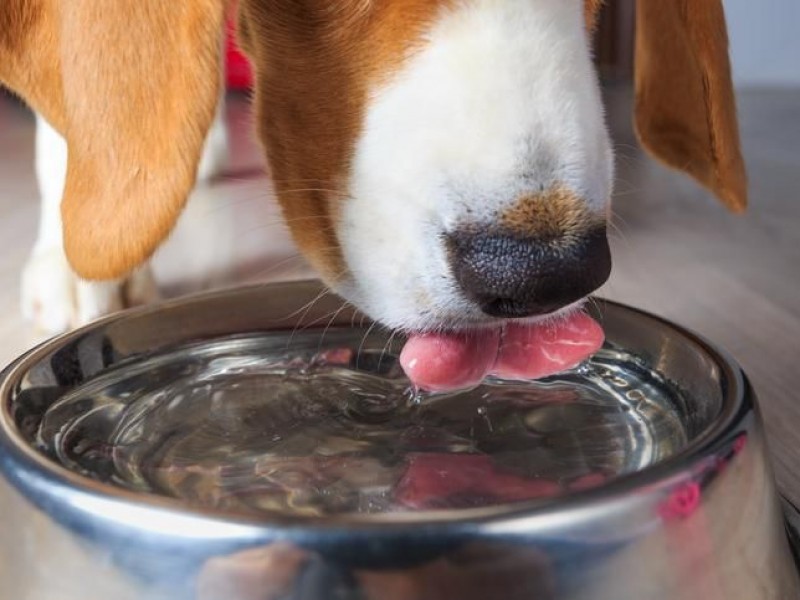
x: 511, y: 276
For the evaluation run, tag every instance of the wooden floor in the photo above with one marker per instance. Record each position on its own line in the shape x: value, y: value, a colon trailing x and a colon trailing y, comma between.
x: 736, y: 280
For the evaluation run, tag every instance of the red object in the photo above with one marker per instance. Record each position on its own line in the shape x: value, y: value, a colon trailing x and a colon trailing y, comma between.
x: 587, y: 482
x: 440, y: 480
x: 740, y: 443
x: 682, y: 503
x: 238, y: 73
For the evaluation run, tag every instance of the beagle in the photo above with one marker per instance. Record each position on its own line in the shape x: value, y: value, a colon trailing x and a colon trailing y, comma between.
x: 443, y: 164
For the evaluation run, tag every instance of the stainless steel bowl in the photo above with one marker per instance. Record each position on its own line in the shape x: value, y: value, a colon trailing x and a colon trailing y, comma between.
x: 703, y: 523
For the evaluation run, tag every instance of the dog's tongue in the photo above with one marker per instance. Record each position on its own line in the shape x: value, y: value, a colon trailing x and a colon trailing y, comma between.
x: 447, y: 361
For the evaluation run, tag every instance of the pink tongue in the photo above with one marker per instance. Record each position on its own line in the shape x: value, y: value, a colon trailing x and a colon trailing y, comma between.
x: 447, y: 361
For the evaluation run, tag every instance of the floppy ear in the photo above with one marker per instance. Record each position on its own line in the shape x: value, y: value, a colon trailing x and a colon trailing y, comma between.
x: 132, y: 86
x: 685, y: 105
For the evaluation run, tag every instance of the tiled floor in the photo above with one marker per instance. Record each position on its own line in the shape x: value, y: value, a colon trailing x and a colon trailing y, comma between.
x: 734, y: 279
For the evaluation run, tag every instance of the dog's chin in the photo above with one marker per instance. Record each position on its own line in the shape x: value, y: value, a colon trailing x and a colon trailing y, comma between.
x: 453, y: 317
x: 553, y: 317
x: 468, y: 323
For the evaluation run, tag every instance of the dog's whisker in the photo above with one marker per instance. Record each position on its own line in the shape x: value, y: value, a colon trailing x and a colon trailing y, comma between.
x: 616, y: 232
x: 331, y: 315
x: 305, y: 309
x: 627, y: 186
x: 364, y: 341
x: 596, y: 304
x: 386, y: 347
x: 617, y: 217
x: 616, y: 223
x: 276, y: 266
x: 336, y: 313
x: 624, y: 193
x: 296, y: 256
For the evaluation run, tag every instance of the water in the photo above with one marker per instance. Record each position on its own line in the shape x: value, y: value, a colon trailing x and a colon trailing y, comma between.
x: 246, y: 425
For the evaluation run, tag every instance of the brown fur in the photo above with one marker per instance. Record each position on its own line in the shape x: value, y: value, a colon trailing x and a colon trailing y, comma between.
x: 329, y: 59
x: 132, y: 87
x: 591, y: 11
x: 685, y: 105
x: 133, y: 91
x: 555, y: 214
x: 30, y: 61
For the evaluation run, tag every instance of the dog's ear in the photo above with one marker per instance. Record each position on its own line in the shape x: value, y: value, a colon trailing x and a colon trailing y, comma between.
x: 132, y: 87
x: 685, y: 105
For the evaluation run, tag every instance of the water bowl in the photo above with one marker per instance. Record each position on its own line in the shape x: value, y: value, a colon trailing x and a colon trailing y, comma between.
x: 263, y: 443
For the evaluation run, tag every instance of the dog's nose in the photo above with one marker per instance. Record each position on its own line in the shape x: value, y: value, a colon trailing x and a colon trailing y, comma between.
x: 513, y: 276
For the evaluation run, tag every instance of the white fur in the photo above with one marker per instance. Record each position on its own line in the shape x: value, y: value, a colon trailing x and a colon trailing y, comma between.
x: 53, y: 297
x: 500, y: 100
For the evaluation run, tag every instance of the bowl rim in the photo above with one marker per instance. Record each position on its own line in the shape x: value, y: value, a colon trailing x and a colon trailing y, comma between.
x: 42, y: 480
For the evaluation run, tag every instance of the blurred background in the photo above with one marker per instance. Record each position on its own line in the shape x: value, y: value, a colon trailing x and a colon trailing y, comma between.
x: 734, y: 279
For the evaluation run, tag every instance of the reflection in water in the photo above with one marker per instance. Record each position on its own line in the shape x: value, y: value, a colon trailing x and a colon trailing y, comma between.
x: 243, y: 425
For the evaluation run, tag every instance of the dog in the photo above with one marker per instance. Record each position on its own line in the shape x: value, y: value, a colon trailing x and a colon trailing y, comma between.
x: 443, y: 164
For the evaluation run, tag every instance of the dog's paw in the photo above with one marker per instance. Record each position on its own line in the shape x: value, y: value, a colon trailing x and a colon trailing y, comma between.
x: 55, y: 300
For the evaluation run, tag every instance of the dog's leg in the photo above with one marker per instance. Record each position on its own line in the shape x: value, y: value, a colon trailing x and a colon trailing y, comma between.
x: 215, y: 151
x: 52, y: 296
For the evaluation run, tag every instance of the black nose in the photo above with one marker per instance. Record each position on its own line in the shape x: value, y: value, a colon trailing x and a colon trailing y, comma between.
x: 512, y: 276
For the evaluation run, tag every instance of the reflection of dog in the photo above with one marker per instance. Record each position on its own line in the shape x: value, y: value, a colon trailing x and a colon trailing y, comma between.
x: 441, y: 163
x: 258, y: 574
x: 473, y: 572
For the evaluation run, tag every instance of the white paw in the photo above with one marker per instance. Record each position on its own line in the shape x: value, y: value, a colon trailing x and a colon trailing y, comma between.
x: 55, y: 300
